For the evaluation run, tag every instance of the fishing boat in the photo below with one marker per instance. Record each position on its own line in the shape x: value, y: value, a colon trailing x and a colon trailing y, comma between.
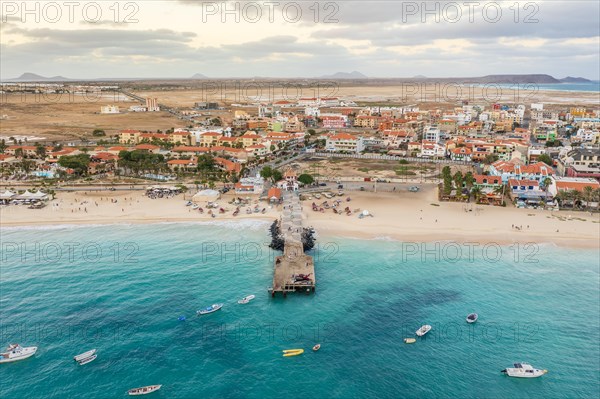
x: 144, y: 390
x: 84, y: 355
x: 472, y: 318
x: 409, y: 340
x: 316, y: 347
x: 246, y: 299
x: 87, y: 360
x: 16, y: 352
x: 292, y: 352
x: 423, y: 330
x: 523, y: 370
x: 212, y: 308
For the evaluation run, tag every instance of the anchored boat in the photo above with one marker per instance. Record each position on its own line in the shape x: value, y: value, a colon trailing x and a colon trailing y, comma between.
x: 16, y: 352
x: 523, y: 370
x: 87, y: 360
x: 212, y: 308
x: 423, y: 330
x: 472, y: 318
x: 292, y: 352
x: 144, y: 390
x: 84, y: 355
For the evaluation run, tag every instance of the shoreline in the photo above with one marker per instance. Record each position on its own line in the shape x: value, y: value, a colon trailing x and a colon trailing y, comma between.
x: 401, y: 216
x: 327, y: 233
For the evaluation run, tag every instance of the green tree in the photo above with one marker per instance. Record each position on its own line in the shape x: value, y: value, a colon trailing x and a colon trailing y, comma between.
x: 98, y: 133
x: 311, y: 132
x: 79, y: 163
x: 306, y: 179
x: 40, y: 150
x: 3, y: 146
x: 545, y: 158
x: 277, y: 175
x: 266, y: 172
x: 588, y: 193
x: 469, y: 180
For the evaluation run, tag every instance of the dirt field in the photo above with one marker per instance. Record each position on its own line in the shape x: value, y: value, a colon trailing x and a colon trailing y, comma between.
x: 72, y: 117
x: 371, y: 168
x: 416, y: 94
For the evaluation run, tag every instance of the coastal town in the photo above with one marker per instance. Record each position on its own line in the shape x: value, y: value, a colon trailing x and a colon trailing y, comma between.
x: 525, y: 155
x: 328, y: 200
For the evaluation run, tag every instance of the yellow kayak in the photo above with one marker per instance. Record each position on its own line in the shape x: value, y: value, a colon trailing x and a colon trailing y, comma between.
x: 409, y: 340
x: 292, y: 352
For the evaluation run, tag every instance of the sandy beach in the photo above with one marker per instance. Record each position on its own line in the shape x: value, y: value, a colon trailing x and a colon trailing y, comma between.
x: 402, y: 215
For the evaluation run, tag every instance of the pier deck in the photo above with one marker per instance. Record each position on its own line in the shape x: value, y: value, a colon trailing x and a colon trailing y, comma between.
x: 293, y: 261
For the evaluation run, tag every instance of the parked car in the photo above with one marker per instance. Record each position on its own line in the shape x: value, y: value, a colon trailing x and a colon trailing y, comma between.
x: 322, y: 184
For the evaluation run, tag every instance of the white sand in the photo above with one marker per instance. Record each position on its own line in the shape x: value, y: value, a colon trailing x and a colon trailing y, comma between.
x: 402, y: 216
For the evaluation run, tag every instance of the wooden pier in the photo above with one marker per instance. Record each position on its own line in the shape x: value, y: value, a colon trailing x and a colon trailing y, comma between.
x: 294, y: 262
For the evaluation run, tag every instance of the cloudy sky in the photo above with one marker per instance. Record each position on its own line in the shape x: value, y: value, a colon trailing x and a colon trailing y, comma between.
x: 151, y: 38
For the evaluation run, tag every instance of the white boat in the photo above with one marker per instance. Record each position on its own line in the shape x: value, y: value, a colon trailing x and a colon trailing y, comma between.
x: 84, y: 355
x: 246, y: 299
x: 523, y: 370
x: 423, y: 330
x: 16, y: 352
x: 472, y: 318
x: 144, y: 390
x: 87, y: 360
x: 212, y: 308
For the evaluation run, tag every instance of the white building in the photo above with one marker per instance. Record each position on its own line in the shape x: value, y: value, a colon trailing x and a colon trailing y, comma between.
x: 344, y: 142
x: 109, y: 109
x: 138, y: 108
x: 432, y: 134
x: 312, y: 111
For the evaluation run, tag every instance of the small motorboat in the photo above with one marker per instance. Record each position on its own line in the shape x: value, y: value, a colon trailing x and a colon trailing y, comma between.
x: 84, y: 355
x: 423, y: 330
x: 16, y: 352
x: 144, y: 390
x: 246, y: 299
x: 316, y: 347
x: 409, y: 340
x: 87, y: 360
x: 523, y: 370
x: 212, y: 308
x: 472, y: 318
x: 292, y: 352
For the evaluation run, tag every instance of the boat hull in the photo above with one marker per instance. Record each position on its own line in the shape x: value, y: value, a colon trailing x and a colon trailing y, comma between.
x: 519, y: 374
x: 144, y: 390
x: 293, y: 353
x: 87, y: 360
x: 423, y: 330
x: 26, y: 353
x: 84, y: 355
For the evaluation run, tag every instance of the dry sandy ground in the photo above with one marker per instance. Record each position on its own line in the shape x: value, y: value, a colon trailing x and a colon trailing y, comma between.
x: 451, y: 95
x: 72, y: 117
x: 405, y: 216
x: 58, y: 117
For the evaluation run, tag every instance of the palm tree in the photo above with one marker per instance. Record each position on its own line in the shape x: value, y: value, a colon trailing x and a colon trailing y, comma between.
x: 588, y: 191
x: 476, y: 192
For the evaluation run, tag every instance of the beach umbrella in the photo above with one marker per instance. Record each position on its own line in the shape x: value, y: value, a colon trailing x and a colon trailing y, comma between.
x: 26, y: 195
x: 7, y: 194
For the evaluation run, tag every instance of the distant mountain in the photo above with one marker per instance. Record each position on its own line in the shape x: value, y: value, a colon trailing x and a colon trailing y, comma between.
x: 420, y: 77
x: 32, y: 77
x: 500, y: 79
x: 570, y: 79
x: 199, y: 76
x: 345, y: 75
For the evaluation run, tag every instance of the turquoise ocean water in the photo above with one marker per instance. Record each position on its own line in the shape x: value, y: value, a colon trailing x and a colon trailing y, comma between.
x: 121, y: 289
